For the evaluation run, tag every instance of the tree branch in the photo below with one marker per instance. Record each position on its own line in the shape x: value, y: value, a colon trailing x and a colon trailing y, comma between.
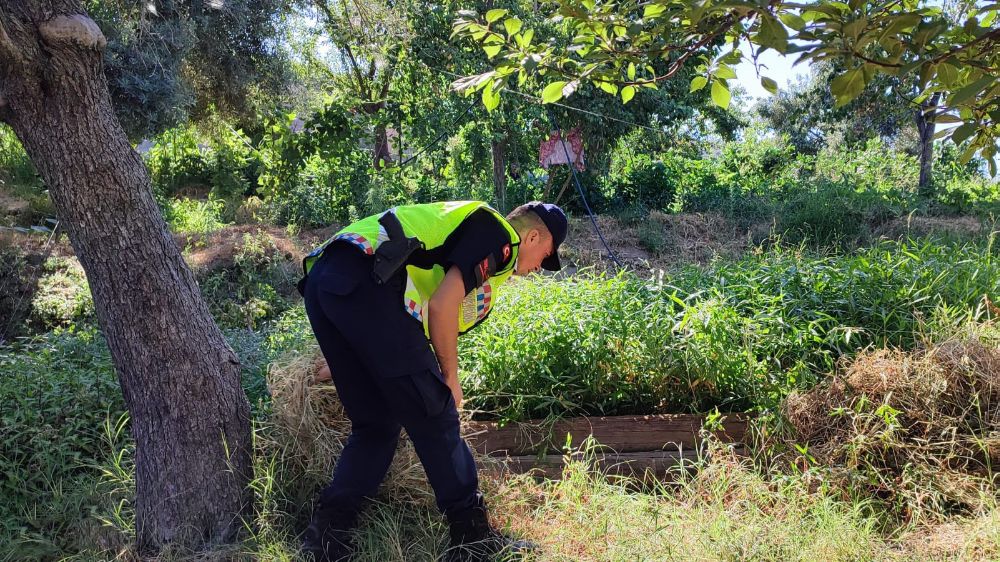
x: 343, y: 45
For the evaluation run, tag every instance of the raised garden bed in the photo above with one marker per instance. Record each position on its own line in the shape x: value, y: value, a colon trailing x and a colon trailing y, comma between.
x: 633, y: 445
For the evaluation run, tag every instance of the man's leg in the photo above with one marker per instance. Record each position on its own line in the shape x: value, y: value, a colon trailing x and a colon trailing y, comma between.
x: 423, y: 404
x: 425, y: 407
x: 370, y: 447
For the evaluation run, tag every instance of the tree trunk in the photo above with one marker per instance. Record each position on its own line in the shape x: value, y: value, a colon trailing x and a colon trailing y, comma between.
x: 925, y: 128
x: 383, y: 156
x: 181, y: 381
x: 498, y: 149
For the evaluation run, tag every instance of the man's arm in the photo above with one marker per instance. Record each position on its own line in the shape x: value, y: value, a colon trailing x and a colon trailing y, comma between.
x: 443, y: 324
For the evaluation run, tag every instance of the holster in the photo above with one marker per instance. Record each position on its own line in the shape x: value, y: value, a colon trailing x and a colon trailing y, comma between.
x: 392, y: 254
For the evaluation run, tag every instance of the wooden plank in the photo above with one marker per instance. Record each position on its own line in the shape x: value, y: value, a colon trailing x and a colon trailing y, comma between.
x: 655, y: 464
x: 623, y: 434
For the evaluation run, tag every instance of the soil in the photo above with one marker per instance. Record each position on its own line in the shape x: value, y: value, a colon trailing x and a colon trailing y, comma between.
x: 216, y: 251
x: 659, y: 241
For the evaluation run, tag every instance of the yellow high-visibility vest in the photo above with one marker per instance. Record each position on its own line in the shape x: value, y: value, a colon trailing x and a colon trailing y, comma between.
x: 431, y: 224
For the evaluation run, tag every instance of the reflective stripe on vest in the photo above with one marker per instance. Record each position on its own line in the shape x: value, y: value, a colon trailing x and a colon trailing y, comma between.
x: 432, y: 224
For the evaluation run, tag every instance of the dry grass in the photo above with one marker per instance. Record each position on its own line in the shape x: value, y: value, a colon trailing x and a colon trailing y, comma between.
x: 961, y: 226
x: 919, y: 431
x: 682, y: 239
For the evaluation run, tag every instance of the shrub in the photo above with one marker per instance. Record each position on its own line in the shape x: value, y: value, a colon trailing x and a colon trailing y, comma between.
x: 760, y: 166
x: 734, y: 335
x: 178, y: 159
x: 638, y: 179
x: 194, y: 217
x: 255, y: 288
x: 16, y: 169
x: 876, y: 169
x: 63, y: 296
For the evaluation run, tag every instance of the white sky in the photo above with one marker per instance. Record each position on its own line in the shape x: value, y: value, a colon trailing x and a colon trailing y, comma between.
x: 778, y: 67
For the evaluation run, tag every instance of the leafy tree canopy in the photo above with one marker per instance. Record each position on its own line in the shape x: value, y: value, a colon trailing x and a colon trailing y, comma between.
x: 616, y: 45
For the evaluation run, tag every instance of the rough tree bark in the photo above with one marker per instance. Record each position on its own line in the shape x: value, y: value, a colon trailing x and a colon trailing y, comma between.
x: 180, y: 379
x: 925, y: 128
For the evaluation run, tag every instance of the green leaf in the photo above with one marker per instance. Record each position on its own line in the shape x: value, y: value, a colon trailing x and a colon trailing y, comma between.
x: 608, y: 87
x: 631, y: 71
x: 653, y: 10
x: 971, y: 90
x: 725, y: 72
x: 963, y: 132
x: 847, y: 86
x: 492, y: 50
x: 947, y: 74
x: 512, y: 25
x: 793, y: 21
x: 628, y: 92
x: 697, y: 83
x: 772, y: 34
x: 553, y: 92
x: 769, y: 84
x: 494, y: 15
x: 491, y: 99
x: 946, y: 119
x: 720, y: 94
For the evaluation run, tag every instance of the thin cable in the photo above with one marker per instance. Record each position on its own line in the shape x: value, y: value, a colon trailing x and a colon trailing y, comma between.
x: 579, y: 188
x: 443, y: 134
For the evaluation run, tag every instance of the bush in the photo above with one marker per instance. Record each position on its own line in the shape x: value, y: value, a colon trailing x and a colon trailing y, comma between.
x: 875, y: 170
x: 16, y: 169
x: 179, y: 158
x: 194, y: 217
x: 638, y: 179
x: 735, y: 335
x: 255, y: 289
x: 828, y: 214
x: 760, y: 166
x: 63, y: 296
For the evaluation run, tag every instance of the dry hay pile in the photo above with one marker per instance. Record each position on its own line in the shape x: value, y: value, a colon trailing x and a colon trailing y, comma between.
x: 919, y: 431
x: 308, y: 430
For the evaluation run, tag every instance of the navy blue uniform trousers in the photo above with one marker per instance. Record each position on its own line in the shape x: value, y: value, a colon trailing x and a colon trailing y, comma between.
x: 387, y: 377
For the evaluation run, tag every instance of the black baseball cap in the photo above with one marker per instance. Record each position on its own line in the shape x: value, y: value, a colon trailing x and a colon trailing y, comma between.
x: 555, y: 220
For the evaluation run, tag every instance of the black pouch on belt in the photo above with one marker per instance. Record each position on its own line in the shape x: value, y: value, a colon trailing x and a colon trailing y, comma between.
x: 391, y: 254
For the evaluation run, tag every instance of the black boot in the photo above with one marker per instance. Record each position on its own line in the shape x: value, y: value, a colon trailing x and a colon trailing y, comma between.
x: 473, y: 539
x: 328, y: 537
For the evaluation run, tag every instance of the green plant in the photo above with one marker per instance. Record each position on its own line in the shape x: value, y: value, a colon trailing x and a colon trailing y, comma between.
x: 193, y: 216
x: 178, y: 159
x: 16, y: 170
x: 56, y: 392
x: 735, y: 335
x: 63, y: 295
x: 256, y: 288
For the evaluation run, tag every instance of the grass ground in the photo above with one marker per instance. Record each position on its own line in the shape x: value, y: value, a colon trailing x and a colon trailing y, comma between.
x: 68, y: 498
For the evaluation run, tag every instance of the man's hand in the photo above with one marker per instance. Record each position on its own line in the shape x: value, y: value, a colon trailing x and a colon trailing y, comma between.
x: 323, y: 374
x: 443, y: 323
x: 456, y: 392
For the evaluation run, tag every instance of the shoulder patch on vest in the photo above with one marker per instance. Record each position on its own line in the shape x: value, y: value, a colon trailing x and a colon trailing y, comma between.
x: 485, y: 269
